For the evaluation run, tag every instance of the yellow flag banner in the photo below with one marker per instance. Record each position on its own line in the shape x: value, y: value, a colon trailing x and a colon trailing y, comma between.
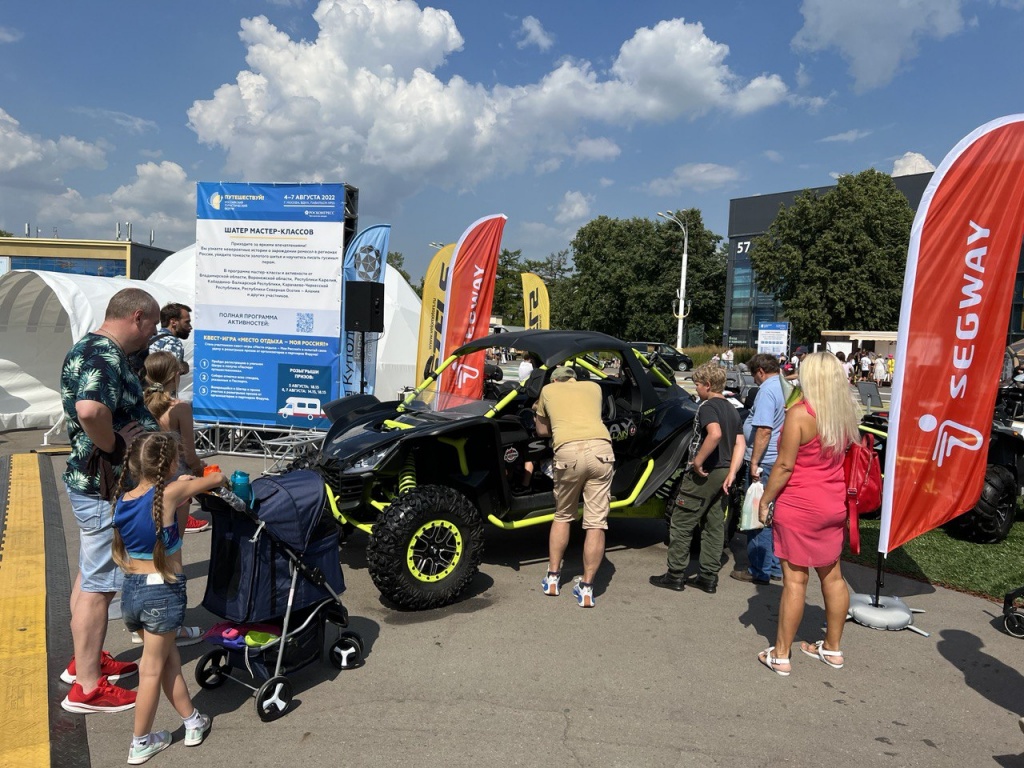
x: 536, y: 309
x: 435, y: 284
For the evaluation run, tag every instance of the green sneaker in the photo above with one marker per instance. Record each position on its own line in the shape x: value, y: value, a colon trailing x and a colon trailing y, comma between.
x: 158, y: 742
x: 194, y: 736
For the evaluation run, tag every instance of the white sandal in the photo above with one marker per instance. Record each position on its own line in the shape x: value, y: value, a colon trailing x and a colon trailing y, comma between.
x: 820, y: 653
x: 772, y: 662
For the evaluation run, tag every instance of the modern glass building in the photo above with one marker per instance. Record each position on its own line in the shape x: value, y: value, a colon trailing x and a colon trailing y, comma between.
x: 749, y: 218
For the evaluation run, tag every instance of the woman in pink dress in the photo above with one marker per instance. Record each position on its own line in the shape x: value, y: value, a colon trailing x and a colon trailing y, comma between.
x: 808, y: 491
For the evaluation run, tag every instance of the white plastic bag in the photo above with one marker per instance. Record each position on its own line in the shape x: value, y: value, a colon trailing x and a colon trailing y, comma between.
x: 749, y: 520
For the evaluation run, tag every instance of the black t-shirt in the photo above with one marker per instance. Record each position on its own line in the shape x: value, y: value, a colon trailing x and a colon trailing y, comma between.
x: 718, y: 410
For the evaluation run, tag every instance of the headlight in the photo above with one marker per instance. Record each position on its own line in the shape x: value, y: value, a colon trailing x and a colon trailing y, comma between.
x: 372, y: 460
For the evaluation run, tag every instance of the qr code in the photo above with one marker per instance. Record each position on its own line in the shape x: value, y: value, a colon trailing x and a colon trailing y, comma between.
x: 304, y: 322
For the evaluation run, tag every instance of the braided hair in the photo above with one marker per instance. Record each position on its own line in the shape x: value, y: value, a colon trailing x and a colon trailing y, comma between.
x: 151, y: 457
x: 159, y: 371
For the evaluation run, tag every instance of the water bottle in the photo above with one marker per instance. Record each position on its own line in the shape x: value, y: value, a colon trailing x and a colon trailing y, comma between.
x: 240, y: 486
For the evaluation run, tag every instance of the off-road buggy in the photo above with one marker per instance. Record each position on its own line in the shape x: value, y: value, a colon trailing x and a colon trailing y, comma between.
x: 990, y: 520
x: 424, y: 474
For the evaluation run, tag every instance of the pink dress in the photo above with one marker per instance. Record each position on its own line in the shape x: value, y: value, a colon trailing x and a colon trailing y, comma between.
x: 810, y: 513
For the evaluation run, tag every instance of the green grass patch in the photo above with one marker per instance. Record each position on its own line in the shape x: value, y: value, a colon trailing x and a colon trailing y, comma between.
x: 987, y: 570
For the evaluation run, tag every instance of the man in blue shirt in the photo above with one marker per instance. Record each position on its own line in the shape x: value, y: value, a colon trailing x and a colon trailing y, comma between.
x: 761, y: 430
x: 176, y: 326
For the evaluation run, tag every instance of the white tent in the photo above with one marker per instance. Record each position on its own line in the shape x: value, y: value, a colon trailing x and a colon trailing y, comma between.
x: 43, y: 313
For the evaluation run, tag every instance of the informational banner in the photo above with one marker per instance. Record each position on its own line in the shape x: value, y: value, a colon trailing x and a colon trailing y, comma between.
x: 536, y: 310
x: 469, y: 301
x: 773, y: 338
x: 268, y: 302
x: 365, y: 261
x: 964, y: 249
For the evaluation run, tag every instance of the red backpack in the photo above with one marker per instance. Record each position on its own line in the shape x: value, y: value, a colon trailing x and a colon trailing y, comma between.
x: 863, y: 484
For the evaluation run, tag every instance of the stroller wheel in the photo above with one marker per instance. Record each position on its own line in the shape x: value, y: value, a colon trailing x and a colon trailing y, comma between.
x: 347, y: 651
x: 273, y: 698
x: 213, y: 669
x: 1014, y: 624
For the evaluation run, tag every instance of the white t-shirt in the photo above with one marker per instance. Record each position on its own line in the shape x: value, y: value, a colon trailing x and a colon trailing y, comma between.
x: 525, y: 369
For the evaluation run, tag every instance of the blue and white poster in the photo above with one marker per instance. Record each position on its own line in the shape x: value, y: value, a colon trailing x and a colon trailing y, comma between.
x: 773, y: 338
x: 365, y: 261
x: 268, y: 302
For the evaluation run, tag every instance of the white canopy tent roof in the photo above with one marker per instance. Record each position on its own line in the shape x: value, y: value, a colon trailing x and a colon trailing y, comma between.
x: 43, y: 313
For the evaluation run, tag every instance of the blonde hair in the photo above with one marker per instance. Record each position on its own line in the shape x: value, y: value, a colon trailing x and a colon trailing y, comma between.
x: 151, y: 457
x: 827, y: 390
x: 158, y: 375
x: 711, y: 374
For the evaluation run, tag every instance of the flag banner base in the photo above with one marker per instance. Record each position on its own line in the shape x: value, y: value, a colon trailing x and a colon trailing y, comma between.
x: 889, y: 612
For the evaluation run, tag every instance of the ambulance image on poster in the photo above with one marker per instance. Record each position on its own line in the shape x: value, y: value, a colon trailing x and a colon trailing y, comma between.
x: 302, y: 406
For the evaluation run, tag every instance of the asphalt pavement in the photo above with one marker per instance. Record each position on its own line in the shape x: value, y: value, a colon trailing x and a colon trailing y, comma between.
x: 649, y: 677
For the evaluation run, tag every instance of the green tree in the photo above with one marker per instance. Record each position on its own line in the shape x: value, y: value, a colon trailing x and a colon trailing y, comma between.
x: 627, y: 274
x: 556, y: 272
x: 508, y: 288
x: 837, y: 261
x: 5, y: 233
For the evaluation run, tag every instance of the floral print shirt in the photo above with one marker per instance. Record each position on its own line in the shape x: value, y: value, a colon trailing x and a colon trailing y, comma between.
x: 97, y: 369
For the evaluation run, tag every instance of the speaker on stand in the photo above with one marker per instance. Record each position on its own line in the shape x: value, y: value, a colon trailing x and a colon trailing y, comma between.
x: 364, y: 313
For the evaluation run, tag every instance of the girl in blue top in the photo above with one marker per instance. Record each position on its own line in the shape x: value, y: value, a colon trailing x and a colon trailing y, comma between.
x: 147, y: 547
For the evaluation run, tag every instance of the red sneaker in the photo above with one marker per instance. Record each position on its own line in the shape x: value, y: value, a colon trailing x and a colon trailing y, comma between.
x: 106, y: 698
x: 110, y: 668
x: 195, y: 525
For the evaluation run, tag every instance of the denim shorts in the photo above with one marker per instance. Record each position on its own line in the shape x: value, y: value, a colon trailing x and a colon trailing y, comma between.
x: 150, y: 603
x: 96, y: 537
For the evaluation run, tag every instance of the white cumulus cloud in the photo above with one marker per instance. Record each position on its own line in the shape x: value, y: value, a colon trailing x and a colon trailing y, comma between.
x: 360, y: 102
x: 695, y: 176
x: 911, y: 163
x: 574, y: 206
x: 532, y: 32
x: 876, y: 37
x: 33, y: 160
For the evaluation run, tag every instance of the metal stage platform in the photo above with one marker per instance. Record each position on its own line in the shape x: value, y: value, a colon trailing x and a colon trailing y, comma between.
x: 279, y: 446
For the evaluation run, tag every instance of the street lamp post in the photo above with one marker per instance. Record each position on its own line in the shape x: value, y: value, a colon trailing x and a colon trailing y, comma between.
x: 683, y: 310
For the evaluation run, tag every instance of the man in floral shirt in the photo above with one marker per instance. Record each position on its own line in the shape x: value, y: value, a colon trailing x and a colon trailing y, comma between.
x: 101, y: 395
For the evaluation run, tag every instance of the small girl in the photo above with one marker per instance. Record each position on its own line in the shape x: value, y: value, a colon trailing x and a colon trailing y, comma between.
x: 147, y: 547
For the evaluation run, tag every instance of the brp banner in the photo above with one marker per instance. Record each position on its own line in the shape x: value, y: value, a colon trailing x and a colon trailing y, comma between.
x: 536, y: 309
x: 432, y: 312
x: 365, y: 261
x: 469, y: 300
x: 964, y: 249
x: 268, y: 302
x: 773, y: 338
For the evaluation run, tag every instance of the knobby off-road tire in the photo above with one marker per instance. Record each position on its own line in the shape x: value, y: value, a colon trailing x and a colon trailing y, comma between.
x: 990, y: 520
x: 426, y: 547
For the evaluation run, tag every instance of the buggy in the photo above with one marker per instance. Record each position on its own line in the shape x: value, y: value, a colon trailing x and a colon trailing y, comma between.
x: 421, y: 476
x: 275, y: 578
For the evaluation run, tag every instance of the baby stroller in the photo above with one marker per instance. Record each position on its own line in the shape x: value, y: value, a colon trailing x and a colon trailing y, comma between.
x: 275, y: 577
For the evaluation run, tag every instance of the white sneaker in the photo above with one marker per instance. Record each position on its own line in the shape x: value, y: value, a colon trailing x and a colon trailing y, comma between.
x: 550, y: 583
x: 584, y: 594
x: 194, y: 736
x: 158, y: 742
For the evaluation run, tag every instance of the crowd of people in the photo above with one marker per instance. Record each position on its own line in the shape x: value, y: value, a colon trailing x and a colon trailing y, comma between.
x: 130, y: 477
x: 796, y: 452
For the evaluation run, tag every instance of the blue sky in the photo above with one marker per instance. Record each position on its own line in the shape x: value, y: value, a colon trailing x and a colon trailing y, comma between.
x: 551, y: 112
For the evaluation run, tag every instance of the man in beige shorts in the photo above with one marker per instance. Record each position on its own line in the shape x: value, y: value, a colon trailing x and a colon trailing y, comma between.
x: 570, y: 411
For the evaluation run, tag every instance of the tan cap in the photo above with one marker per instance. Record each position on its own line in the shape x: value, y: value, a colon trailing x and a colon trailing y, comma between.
x: 563, y: 373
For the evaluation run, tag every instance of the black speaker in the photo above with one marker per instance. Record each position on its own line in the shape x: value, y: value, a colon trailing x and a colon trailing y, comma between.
x: 364, y: 307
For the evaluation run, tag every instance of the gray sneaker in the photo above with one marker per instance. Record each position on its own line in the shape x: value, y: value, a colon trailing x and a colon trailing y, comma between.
x: 194, y: 736
x: 158, y: 742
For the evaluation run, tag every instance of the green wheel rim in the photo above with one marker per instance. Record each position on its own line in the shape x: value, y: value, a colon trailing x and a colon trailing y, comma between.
x: 434, y: 551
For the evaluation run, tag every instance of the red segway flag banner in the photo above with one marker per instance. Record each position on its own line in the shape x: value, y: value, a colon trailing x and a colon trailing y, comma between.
x: 470, y: 296
x: 964, y: 249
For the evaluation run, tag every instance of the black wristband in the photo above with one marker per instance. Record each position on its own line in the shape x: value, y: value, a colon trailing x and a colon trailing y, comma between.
x: 116, y: 456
